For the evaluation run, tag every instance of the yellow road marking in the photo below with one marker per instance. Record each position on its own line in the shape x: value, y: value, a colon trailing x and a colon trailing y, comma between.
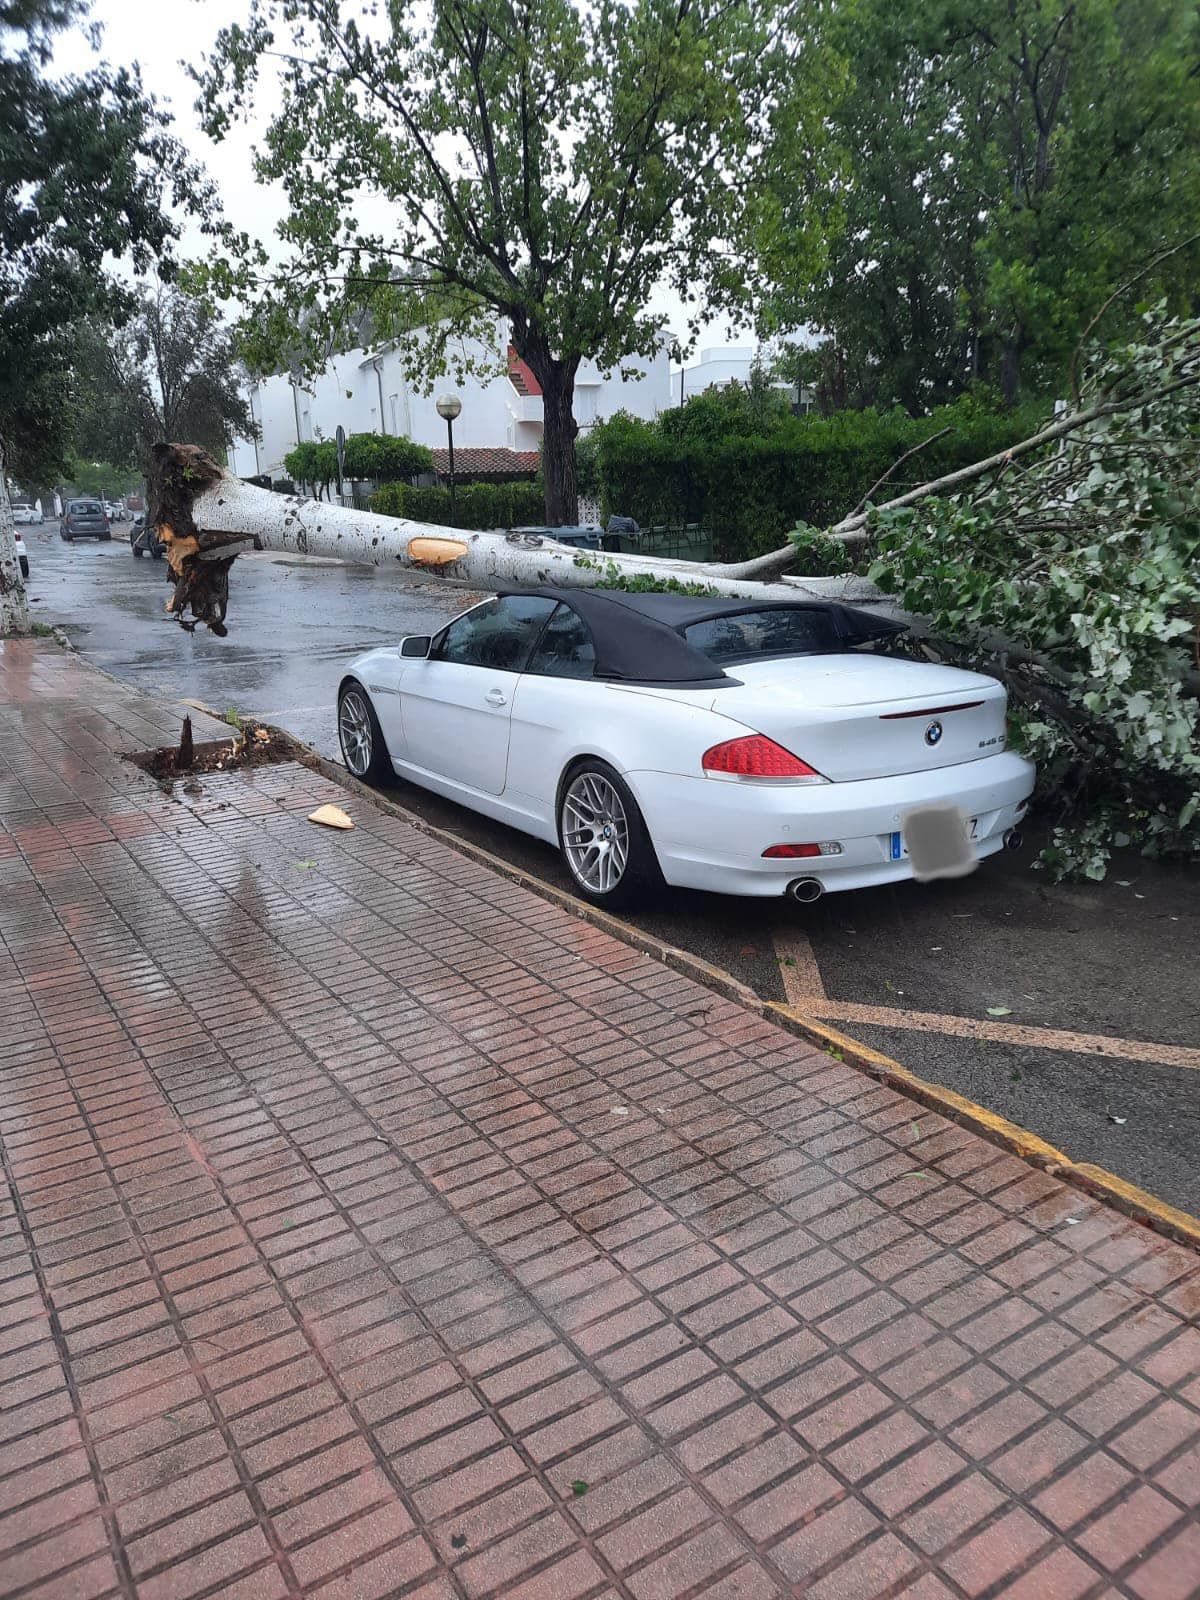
x: 798, y: 968
x: 1091, y: 1044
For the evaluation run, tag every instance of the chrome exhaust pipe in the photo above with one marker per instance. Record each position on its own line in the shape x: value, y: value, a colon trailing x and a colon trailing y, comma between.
x: 1013, y: 839
x: 806, y: 890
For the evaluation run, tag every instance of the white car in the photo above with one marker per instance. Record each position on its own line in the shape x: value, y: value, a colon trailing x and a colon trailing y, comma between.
x: 726, y: 745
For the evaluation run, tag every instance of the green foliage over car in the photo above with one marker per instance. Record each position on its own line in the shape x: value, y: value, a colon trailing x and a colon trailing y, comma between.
x: 1076, y: 577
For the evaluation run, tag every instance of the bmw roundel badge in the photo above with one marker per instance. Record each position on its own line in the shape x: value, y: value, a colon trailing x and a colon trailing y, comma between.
x: 933, y: 733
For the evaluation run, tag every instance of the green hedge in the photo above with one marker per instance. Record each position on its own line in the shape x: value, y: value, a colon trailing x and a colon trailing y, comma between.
x: 477, y: 505
x: 750, y: 476
x: 384, y: 457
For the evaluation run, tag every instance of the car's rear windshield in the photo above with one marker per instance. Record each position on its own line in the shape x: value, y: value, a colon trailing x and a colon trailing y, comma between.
x: 782, y: 631
x: 87, y: 508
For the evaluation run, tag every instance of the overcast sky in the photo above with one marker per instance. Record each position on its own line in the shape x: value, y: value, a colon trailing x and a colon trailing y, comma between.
x: 157, y: 34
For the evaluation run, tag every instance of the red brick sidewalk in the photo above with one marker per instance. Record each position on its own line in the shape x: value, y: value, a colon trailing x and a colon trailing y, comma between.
x: 363, y: 1208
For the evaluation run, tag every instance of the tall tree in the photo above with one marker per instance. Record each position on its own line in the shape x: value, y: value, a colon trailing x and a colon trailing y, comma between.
x: 170, y: 371
x: 85, y: 166
x: 539, y: 161
x: 1003, y: 166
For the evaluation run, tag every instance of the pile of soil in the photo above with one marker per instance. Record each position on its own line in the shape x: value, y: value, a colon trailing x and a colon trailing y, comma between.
x: 252, y: 746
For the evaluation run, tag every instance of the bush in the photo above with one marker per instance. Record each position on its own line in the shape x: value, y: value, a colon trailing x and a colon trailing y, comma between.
x: 478, y: 505
x: 384, y: 458
x: 314, y: 461
x: 749, y: 471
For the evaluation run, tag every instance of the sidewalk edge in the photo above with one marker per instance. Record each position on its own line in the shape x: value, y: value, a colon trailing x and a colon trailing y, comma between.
x: 1140, y: 1206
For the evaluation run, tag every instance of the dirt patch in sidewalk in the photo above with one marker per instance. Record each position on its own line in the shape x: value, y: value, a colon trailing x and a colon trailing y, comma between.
x: 250, y: 746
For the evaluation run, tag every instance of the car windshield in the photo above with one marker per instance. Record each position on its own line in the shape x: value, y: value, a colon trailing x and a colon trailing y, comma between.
x: 777, y: 631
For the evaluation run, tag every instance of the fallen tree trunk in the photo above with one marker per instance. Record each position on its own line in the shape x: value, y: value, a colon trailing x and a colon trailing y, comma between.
x: 206, y: 518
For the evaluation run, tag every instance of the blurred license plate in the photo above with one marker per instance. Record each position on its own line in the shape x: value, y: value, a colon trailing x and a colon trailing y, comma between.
x: 900, y: 849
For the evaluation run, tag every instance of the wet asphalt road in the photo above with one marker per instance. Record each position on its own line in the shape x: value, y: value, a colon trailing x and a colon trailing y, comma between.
x: 1117, y: 959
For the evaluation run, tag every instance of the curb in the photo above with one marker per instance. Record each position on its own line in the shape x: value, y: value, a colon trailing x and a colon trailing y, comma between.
x: 1179, y: 1226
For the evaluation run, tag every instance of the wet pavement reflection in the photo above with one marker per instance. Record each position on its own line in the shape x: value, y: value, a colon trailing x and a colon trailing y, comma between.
x: 294, y: 627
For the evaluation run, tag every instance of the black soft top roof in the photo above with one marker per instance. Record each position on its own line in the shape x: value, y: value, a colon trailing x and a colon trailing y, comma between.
x: 639, y: 637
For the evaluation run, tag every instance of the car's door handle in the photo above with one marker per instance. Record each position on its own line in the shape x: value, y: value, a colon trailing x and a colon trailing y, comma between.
x: 496, y: 697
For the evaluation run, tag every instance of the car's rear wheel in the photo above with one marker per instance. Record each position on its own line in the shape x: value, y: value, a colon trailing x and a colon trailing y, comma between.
x: 361, y: 738
x: 63, y: 534
x: 106, y: 535
x: 603, y: 839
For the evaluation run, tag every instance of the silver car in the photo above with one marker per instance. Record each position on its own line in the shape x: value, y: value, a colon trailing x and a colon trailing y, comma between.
x: 84, y: 519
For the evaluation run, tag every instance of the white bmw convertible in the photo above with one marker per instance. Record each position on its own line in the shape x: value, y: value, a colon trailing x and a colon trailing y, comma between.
x: 727, y: 745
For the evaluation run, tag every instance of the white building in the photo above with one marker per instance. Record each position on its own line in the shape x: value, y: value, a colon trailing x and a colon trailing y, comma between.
x: 365, y: 391
x: 717, y: 368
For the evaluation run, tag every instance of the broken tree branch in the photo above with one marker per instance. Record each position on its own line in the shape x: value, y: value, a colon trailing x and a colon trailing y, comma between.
x: 852, y: 530
x: 895, y: 467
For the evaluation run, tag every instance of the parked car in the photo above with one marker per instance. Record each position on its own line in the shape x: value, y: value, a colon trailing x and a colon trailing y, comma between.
x: 84, y: 519
x: 25, y: 515
x: 22, y: 555
x: 730, y: 745
x: 144, y: 540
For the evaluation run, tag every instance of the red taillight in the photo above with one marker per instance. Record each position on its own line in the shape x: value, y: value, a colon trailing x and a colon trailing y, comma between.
x: 791, y: 852
x: 756, y: 756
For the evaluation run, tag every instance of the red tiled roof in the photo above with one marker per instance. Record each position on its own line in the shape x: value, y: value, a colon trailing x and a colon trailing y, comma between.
x: 519, y: 375
x: 498, y: 460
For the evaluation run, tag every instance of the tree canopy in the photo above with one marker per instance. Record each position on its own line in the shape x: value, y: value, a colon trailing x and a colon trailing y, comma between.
x: 538, y: 161
x: 169, y: 372
x: 999, y: 167
x: 382, y: 458
x: 86, y: 165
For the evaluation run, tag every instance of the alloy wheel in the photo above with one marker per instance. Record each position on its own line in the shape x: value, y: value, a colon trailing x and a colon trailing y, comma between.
x: 595, y: 832
x: 354, y: 730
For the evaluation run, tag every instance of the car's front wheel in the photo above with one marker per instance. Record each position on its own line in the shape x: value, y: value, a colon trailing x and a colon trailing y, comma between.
x: 604, y: 841
x: 361, y: 738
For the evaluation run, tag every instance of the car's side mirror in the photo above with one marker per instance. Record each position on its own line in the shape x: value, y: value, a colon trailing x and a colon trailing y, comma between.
x: 416, y: 647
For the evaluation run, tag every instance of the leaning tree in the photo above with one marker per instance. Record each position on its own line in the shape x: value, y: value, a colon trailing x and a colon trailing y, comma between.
x: 538, y: 163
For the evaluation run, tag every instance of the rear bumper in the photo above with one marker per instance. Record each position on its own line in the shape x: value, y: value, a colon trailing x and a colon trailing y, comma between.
x: 711, y: 835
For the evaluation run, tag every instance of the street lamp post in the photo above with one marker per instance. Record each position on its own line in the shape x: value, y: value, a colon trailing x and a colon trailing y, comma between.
x: 448, y: 407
